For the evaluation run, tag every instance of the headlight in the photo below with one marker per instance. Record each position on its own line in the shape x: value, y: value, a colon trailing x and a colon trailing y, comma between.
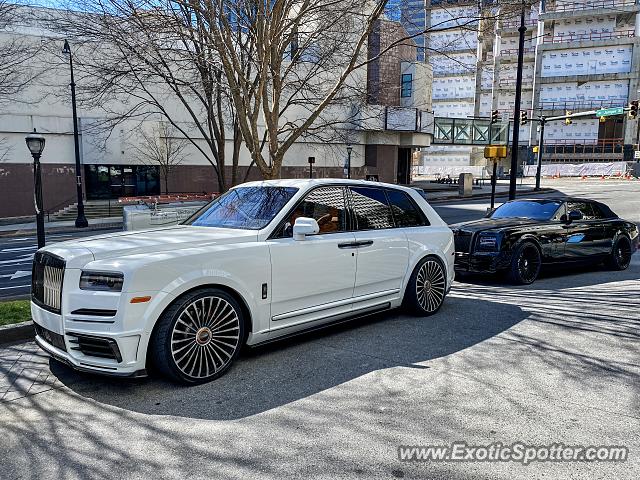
x: 488, y: 242
x: 102, y: 281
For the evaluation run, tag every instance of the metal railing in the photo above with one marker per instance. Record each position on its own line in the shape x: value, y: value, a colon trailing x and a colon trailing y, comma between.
x: 589, y: 5
x: 576, y: 37
x: 510, y: 24
x: 580, y: 104
x: 588, y: 146
x: 508, y: 52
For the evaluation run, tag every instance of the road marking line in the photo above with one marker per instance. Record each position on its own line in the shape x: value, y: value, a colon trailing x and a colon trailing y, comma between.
x: 15, y: 286
x: 19, y: 249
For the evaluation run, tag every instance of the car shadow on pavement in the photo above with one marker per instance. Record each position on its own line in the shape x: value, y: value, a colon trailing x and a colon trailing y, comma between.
x: 575, y: 275
x: 267, y: 377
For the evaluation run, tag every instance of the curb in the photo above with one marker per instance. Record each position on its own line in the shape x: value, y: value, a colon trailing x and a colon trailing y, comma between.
x: 486, y: 195
x: 90, y: 228
x: 18, y: 332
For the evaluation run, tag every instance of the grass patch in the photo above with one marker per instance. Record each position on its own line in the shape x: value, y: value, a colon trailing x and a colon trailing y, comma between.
x: 14, y: 312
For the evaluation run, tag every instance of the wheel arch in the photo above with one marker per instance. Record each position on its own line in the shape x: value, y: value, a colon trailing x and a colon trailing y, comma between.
x: 246, y: 311
x: 423, y: 254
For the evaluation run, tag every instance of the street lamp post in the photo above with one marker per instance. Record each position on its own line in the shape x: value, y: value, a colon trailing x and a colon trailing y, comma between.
x: 35, y: 143
x: 349, y: 150
x: 81, y: 220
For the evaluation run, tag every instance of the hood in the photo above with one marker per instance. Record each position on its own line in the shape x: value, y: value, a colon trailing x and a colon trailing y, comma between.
x: 493, y: 224
x: 156, y: 240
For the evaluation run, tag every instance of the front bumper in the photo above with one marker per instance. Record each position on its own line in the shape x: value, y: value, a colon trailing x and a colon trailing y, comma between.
x: 481, y: 262
x: 60, y: 340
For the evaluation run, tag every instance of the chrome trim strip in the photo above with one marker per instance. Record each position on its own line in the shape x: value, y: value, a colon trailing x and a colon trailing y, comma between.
x: 339, y: 303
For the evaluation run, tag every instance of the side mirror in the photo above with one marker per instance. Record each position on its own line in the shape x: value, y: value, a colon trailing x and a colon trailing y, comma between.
x: 305, y: 226
x: 489, y: 212
x: 573, y: 216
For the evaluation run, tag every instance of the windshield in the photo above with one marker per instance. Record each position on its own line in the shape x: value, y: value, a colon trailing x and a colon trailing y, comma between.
x: 534, y: 210
x: 247, y: 208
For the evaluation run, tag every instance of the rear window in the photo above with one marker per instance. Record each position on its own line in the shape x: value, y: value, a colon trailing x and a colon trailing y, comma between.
x: 371, y: 208
x: 405, y: 211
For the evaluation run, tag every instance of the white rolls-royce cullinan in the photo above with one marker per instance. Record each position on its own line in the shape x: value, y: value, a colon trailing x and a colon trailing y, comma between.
x: 264, y: 260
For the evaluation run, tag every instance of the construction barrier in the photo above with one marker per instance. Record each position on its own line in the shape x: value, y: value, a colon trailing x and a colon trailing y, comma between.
x: 583, y: 170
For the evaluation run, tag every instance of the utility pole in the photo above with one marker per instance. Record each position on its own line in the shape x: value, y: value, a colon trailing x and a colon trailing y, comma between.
x: 516, y: 112
x: 543, y: 121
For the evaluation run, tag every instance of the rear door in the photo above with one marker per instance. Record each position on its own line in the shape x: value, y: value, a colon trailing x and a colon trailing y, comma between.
x: 383, y: 252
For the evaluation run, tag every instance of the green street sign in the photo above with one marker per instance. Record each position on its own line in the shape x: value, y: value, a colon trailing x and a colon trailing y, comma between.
x: 608, y: 112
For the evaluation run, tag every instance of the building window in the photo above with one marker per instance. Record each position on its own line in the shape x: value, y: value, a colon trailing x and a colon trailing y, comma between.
x: 406, y: 85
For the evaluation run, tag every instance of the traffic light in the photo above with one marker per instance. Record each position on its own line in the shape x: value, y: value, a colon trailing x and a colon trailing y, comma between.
x: 568, y: 121
x: 633, y: 109
x: 494, y: 116
x: 524, y: 117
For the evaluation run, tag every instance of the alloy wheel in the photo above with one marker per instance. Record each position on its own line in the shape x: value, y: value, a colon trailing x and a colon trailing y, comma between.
x: 205, y: 337
x: 529, y: 263
x: 623, y: 253
x: 430, y: 286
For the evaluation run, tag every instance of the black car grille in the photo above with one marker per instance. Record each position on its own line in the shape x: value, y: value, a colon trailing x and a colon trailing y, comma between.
x: 93, y: 346
x: 50, y: 337
x: 46, y: 281
x: 463, y: 241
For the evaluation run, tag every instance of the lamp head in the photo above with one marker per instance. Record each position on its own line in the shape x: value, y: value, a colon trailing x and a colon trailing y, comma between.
x: 35, y: 143
x: 66, y: 49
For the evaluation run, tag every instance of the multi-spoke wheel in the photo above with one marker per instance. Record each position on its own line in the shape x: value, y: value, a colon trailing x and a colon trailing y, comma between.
x: 525, y: 264
x: 198, y: 337
x: 427, y: 287
x: 620, y: 257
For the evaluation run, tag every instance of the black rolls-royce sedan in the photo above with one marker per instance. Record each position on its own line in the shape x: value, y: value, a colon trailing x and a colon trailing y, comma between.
x: 522, y: 235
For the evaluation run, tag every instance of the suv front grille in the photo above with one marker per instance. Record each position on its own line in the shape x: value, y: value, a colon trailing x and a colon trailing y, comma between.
x: 462, y: 241
x: 50, y: 337
x: 46, y: 281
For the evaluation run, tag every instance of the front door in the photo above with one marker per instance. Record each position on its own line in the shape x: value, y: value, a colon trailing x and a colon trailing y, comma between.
x: 313, y: 279
x: 583, y: 238
x: 383, y: 250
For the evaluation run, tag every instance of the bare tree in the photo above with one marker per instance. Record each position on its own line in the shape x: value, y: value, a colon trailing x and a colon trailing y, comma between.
x: 160, y: 146
x: 137, y: 61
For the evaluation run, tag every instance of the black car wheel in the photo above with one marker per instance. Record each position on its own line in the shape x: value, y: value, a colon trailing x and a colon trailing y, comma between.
x: 427, y: 287
x: 525, y: 264
x: 620, y: 257
x: 198, y: 337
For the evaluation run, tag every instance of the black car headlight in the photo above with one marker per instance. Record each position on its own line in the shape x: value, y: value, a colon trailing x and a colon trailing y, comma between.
x: 102, y: 281
x: 488, y: 242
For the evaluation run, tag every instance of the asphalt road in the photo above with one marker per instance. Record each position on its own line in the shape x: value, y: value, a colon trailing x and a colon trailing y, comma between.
x: 16, y: 255
x: 553, y: 362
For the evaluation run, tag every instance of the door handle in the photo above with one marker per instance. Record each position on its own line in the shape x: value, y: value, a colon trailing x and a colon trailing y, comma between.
x: 348, y: 245
x: 364, y: 243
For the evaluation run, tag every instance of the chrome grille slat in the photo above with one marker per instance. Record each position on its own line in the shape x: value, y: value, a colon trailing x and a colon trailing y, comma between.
x: 47, y: 279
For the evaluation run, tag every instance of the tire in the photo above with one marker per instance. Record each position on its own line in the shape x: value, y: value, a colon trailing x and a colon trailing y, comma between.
x: 620, y: 257
x: 526, y: 262
x: 198, y: 337
x: 427, y: 287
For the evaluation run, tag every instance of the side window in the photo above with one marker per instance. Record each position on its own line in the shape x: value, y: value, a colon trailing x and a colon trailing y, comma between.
x: 598, y: 214
x: 584, y: 208
x: 326, y: 206
x: 405, y: 212
x: 371, y: 208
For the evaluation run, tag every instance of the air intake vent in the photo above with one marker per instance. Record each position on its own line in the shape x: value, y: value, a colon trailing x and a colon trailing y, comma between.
x: 50, y: 337
x: 95, y: 346
x: 46, y: 281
